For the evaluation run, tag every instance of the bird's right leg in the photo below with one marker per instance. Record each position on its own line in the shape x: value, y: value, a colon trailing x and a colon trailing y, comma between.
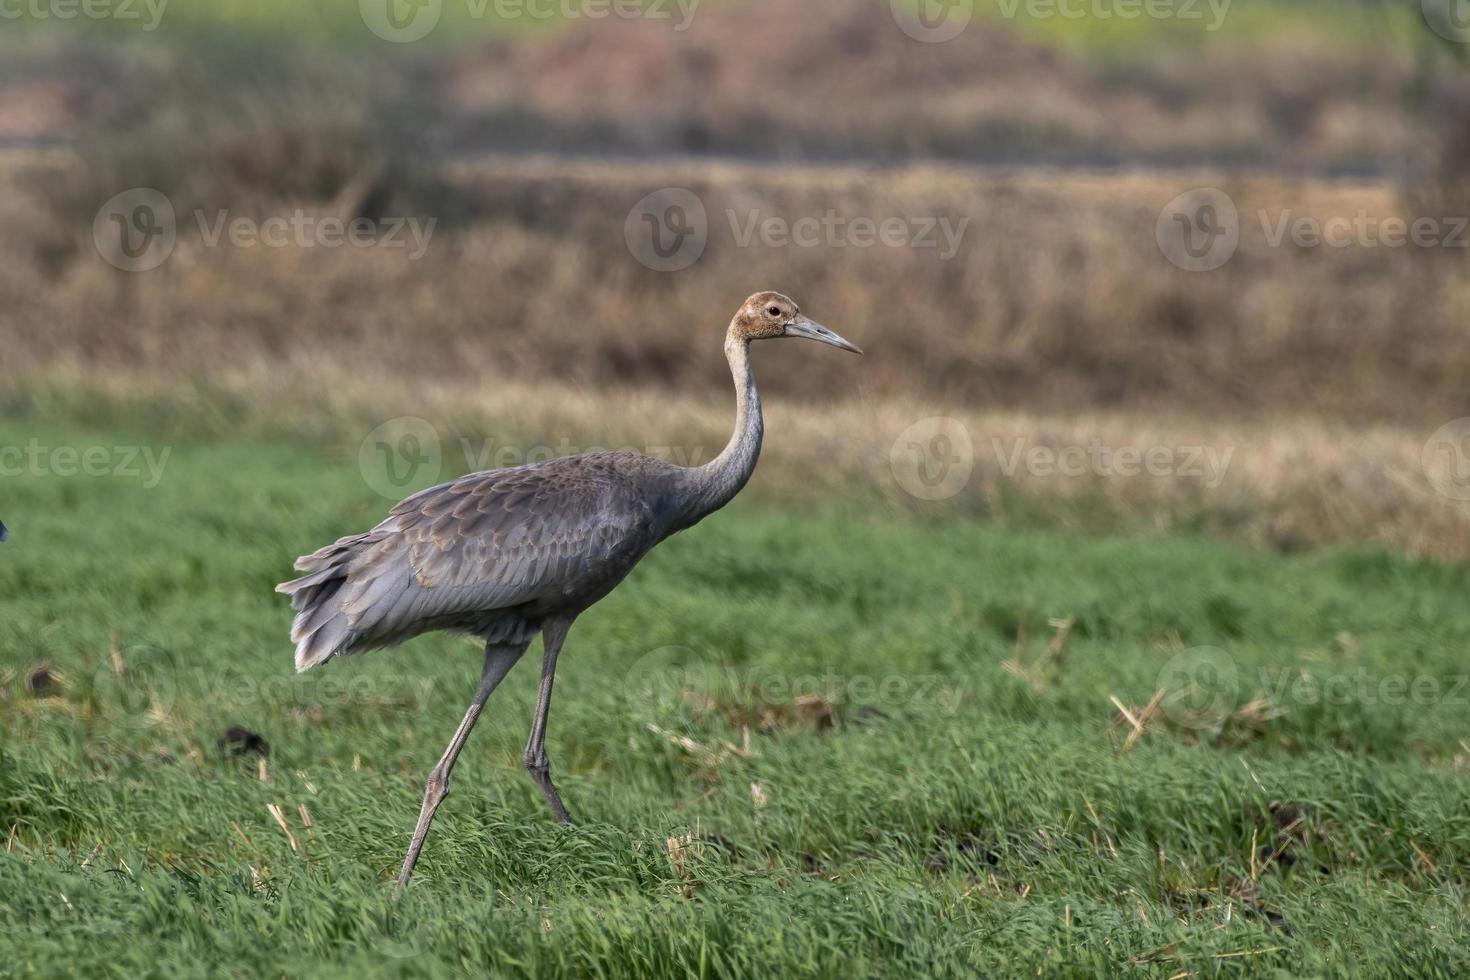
x: 498, y: 662
x: 554, y: 634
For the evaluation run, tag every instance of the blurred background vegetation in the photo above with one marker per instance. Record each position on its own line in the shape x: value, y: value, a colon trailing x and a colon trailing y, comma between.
x: 1058, y: 800
x: 527, y: 139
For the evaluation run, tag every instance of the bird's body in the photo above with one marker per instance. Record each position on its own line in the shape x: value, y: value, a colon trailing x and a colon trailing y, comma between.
x: 492, y: 554
x: 504, y: 554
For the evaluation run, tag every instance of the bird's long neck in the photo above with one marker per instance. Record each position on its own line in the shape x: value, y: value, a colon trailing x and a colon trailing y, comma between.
x: 715, y: 484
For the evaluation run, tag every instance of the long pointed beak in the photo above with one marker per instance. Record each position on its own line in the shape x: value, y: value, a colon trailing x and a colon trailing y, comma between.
x: 805, y: 326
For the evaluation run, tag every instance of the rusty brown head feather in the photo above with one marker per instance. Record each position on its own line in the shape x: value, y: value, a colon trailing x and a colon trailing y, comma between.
x: 770, y: 314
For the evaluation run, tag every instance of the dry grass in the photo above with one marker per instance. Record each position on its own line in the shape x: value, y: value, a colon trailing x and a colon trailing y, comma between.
x: 1283, y: 485
x: 1058, y: 300
x: 1291, y: 391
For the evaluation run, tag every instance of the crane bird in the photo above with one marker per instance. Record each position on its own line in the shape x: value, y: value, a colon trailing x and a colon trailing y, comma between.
x: 504, y: 554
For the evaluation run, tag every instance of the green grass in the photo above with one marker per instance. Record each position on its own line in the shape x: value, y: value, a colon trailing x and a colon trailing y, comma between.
x: 339, y: 22
x: 930, y: 813
x: 1118, y: 31
x: 1098, y: 29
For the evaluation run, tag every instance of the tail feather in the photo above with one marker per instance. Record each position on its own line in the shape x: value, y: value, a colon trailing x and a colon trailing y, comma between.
x: 320, y: 629
x: 298, y: 585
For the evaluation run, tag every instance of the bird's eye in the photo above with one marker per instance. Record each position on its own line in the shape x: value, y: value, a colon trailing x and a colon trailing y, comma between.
x: 774, y: 311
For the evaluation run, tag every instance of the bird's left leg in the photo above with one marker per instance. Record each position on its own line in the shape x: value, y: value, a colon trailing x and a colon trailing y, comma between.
x: 553, y: 634
x: 498, y: 662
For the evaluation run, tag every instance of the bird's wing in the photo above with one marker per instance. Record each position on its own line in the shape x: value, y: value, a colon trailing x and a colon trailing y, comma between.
x: 496, y: 540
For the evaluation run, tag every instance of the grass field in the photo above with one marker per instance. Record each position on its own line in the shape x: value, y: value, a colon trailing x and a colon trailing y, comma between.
x: 1092, y: 29
x: 808, y: 744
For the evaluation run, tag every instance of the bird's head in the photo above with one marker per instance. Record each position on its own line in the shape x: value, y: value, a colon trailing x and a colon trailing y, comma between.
x: 767, y: 315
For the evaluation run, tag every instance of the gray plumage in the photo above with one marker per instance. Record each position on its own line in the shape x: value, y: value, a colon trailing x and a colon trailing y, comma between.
x: 491, y: 554
x: 504, y: 554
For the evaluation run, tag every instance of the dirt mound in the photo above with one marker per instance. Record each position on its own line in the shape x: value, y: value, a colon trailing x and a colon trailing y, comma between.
x: 784, y: 79
x: 37, y: 111
x: 55, y: 96
x: 764, y: 77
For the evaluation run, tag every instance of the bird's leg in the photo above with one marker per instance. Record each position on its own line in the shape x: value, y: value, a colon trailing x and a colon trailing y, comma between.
x: 498, y: 662
x: 553, y: 635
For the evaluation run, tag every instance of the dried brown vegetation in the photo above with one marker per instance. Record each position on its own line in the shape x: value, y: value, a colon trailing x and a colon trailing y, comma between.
x: 1057, y: 298
x: 1314, y: 376
x: 837, y: 78
x: 1051, y: 320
